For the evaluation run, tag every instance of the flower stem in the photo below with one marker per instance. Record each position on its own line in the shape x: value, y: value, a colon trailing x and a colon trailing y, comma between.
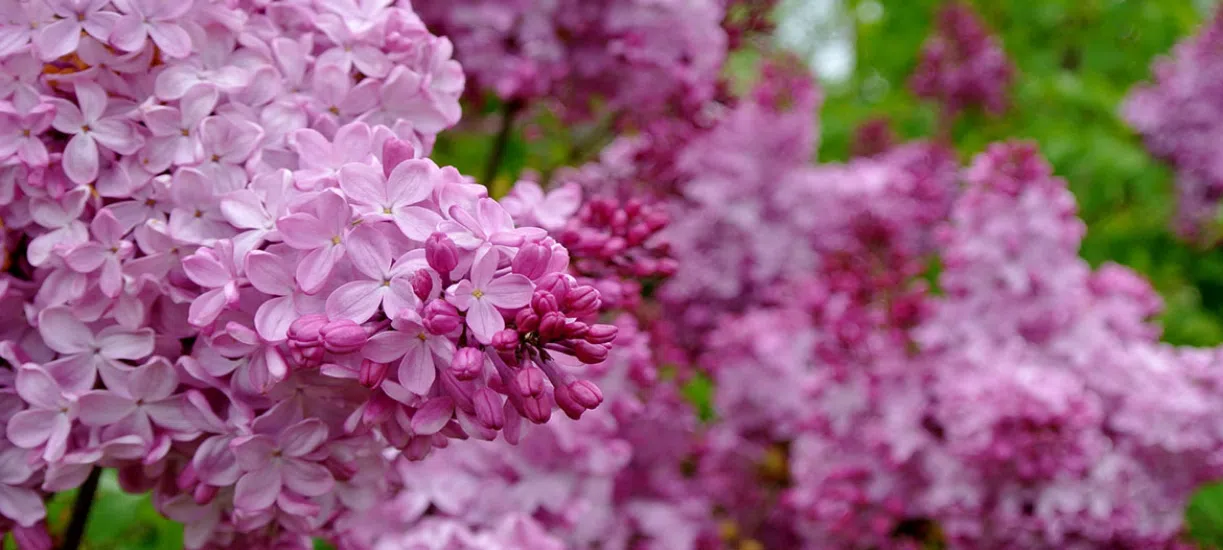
x: 80, y: 511
x: 508, y: 113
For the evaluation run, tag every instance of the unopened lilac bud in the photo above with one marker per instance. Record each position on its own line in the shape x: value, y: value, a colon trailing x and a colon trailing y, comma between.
x: 526, y: 321
x: 343, y: 471
x: 537, y: 409
x: 441, y: 317
x: 187, y: 478
x: 667, y: 267
x: 565, y: 400
x: 418, y: 448
x: 305, y: 329
x: 343, y: 336
x: 35, y: 537
x: 556, y: 283
x: 602, y: 334
x: 613, y: 247
x: 657, y: 220
x: 422, y: 284
x: 467, y: 363
x: 552, y: 326
x: 576, y: 329
x: 371, y: 373
x: 505, y: 340
x: 532, y: 260
x: 582, y: 299
x: 441, y: 253
x: 530, y: 381
x: 632, y: 207
x: 637, y: 234
x: 204, y: 493
x: 543, y: 302
x: 586, y: 393
x: 488, y: 409
x: 589, y: 353
x: 395, y: 151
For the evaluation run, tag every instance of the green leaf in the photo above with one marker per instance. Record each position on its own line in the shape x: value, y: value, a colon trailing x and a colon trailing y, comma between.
x: 1205, y: 515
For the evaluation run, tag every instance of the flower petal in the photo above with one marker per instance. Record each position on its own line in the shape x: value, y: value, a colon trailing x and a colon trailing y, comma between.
x: 484, y: 320
x: 315, y: 268
x: 103, y: 408
x: 307, y: 478
x: 417, y: 371
x: 63, y: 332
x: 116, y: 343
x: 303, y: 438
x: 257, y: 490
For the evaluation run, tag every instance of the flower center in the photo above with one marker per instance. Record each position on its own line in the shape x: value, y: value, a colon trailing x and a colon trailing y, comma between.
x: 335, y: 239
x: 186, y: 132
x: 421, y: 336
x: 477, y: 294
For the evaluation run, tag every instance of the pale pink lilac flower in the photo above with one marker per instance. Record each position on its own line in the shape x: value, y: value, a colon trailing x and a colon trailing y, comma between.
x: 485, y: 292
x: 90, y: 126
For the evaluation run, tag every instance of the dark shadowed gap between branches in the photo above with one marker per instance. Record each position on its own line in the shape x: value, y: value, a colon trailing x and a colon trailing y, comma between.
x: 508, y: 113
x: 80, y: 511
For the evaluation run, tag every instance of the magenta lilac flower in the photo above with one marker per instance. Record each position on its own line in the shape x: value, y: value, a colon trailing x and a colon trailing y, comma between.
x: 962, y: 66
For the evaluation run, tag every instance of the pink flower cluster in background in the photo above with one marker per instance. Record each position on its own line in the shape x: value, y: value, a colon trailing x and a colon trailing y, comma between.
x: 962, y: 66
x: 1178, y: 116
x: 643, y: 57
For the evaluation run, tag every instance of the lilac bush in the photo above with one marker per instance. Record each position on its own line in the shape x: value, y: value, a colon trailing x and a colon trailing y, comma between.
x: 237, y: 276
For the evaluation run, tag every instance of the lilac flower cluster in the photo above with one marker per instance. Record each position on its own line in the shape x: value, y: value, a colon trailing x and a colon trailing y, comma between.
x: 962, y: 66
x: 233, y: 274
x: 604, y: 482
x: 643, y: 57
x: 1004, y: 413
x: 1177, y: 116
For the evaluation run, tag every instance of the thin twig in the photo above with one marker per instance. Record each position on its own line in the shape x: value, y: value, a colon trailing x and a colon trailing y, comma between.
x: 508, y: 112
x: 80, y: 511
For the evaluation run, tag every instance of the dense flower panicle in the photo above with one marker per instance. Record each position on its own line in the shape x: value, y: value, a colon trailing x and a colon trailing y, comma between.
x: 614, y: 238
x: 962, y: 66
x: 244, y: 285
x: 611, y: 480
x: 872, y: 137
x: 643, y: 57
x: 1041, y: 463
x: 738, y: 214
x: 1177, y: 115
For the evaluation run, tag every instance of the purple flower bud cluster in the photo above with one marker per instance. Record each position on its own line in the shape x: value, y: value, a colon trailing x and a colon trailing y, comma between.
x: 1177, y: 114
x: 962, y: 66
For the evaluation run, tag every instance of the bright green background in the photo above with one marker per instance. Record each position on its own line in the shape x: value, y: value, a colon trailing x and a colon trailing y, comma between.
x: 1076, y: 61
